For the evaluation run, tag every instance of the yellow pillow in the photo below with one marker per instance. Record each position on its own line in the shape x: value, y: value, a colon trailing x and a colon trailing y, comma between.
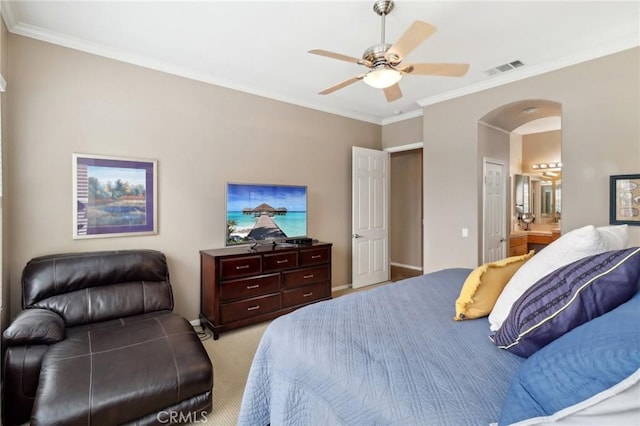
x: 483, y: 286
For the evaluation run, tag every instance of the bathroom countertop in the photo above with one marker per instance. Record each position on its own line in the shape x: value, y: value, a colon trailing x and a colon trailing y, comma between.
x: 544, y: 232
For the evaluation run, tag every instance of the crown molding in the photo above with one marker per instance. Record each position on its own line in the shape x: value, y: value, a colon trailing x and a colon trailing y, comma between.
x: 146, y: 62
x: 402, y: 117
x: 8, y: 13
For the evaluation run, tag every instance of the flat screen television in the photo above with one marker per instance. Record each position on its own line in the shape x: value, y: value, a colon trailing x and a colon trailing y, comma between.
x: 267, y: 213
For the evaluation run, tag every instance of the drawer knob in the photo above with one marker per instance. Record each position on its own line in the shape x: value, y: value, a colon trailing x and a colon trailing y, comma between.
x: 307, y: 294
x: 249, y: 287
x: 253, y: 308
x: 308, y: 276
x: 317, y: 256
x: 282, y: 261
x: 242, y: 267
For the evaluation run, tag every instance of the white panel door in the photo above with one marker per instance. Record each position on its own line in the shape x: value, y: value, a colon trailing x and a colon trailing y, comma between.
x: 494, y: 211
x: 370, y: 217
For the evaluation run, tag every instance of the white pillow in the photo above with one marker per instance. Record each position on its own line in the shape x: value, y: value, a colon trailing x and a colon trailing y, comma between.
x: 572, y: 246
x: 615, y: 236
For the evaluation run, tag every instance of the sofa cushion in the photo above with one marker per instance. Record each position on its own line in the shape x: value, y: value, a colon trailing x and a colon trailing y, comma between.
x: 117, y: 374
x: 34, y: 327
x: 98, y: 286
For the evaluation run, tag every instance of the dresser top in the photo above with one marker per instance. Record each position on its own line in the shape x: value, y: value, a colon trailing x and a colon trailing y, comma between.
x: 261, y: 248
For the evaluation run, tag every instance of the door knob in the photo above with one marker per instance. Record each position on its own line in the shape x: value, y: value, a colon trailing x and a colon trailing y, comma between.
x: 357, y: 236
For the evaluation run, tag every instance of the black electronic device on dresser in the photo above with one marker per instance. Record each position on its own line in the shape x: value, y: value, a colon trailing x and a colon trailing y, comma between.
x: 240, y: 287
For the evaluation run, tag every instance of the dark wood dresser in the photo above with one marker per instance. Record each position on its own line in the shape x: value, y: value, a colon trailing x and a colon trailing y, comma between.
x: 239, y: 286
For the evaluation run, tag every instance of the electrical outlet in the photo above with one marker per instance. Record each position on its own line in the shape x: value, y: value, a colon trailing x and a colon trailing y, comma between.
x: 465, y: 232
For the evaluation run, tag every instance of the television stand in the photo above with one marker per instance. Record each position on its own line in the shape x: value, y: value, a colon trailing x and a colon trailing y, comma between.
x: 240, y: 287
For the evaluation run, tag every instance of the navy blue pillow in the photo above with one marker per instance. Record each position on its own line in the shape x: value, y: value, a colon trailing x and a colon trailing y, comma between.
x: 593, y: 362
x: 567, y: 298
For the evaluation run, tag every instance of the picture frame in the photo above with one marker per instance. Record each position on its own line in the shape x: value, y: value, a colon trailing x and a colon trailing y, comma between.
x: 624, y: 203
x: 114, y: 196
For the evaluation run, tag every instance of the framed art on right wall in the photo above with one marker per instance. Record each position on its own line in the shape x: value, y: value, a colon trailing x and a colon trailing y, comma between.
x: 624, y: 202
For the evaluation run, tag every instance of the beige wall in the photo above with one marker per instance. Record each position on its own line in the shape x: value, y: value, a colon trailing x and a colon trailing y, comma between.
x: 600, y: 137
x: 64, y: 101
x: 405, y: 210
x: 541, y: 148
x: 401, y: 133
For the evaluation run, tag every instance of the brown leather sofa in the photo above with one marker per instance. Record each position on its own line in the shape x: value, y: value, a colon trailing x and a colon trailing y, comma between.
x: 97, y: 343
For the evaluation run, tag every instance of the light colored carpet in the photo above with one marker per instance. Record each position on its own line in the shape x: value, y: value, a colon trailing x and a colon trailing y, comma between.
x: 231, y: 356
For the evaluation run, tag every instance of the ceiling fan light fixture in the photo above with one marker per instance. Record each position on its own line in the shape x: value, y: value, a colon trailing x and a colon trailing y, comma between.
x: 382, y: 77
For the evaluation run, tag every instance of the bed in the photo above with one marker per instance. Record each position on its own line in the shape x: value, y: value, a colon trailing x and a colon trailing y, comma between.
x: 393, y: 355
x: 389, y: 355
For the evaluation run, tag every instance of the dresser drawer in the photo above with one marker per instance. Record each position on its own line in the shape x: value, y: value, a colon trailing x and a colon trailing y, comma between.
x: 539, y: 239
x: 306, y: 276
x: 243, y: 309
x: 314, y: 256
x: 240, y: 287
x: 517, y: 241
x: 249, y: 287
x: 304, y: 295
x: 279, y: 261
x: 232, y: 268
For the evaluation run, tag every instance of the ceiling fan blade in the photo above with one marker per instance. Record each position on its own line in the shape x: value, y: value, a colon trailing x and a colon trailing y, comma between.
x: 418, y: 32
x: 447, y: 70
x: 393, y: 93
x: 341, y: 84
x: 339, y: 56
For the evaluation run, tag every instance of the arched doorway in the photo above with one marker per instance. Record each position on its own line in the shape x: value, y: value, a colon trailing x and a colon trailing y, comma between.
x: 525, y: 136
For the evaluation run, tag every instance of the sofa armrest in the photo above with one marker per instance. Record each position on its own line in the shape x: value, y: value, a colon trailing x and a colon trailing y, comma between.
x: 34, y: 327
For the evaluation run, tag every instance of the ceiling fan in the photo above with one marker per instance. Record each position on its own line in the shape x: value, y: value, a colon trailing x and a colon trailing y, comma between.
x: 385, y: 60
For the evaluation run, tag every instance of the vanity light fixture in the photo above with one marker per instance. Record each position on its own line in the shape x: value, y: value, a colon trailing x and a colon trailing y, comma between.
x: 549, y: 174
x: 552, y: 165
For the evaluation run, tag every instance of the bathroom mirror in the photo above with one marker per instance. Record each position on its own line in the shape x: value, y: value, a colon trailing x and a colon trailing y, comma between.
x: 550, y: 200
x: 546, y: 199
x: 522, y: 196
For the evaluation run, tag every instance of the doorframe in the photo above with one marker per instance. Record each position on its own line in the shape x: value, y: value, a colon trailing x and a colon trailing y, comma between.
x: 486, y: 160
x: 408, y: 147
x: 392, y: 149
x: 402, y: 148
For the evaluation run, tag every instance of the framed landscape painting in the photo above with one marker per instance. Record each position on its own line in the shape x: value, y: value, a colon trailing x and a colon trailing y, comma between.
x: 113, y: 196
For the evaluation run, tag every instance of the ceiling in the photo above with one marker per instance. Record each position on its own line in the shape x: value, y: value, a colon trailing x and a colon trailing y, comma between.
x: 261, y: 47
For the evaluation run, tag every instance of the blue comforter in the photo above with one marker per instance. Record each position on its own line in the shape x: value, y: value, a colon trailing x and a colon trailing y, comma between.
x: 392, y: 355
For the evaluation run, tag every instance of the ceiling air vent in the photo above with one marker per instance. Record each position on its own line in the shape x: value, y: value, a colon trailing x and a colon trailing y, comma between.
x: 504, y: 67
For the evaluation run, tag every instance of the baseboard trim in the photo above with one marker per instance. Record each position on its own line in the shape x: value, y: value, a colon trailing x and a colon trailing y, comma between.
x: 340, y: 288
x: 415, y: 268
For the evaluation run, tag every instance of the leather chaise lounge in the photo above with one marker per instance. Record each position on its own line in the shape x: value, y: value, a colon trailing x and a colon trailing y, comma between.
x: 98, y: 344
